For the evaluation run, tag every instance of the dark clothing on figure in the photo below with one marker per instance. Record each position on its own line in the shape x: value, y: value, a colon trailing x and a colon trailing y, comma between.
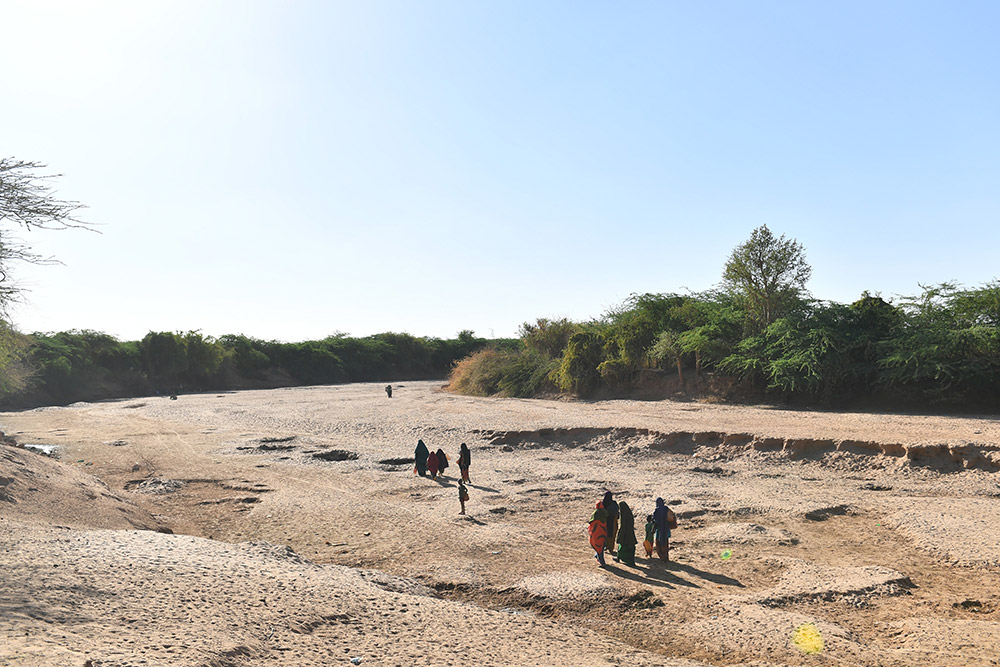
x: 388, y: 390
x: 464, y: 461
x: 660, y: 518
x: 626, y: 534
x: 420, y: 458
x: 612, y: 509
x: 432, y: 464
x: 610, y: 505
x: 647, y: 544
x: 442, y: 461
x: 463, y: 496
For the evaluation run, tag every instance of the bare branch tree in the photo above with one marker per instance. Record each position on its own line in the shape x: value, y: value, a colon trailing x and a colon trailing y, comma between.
x: 28, y: 202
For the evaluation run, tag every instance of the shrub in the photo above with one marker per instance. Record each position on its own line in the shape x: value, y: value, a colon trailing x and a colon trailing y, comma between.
x: 526, y: 374
x: 578, y: 369
x: 480, y: 373
x: 547, y: 337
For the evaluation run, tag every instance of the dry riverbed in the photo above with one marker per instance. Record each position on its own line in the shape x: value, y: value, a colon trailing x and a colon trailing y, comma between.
x: 286, y: 527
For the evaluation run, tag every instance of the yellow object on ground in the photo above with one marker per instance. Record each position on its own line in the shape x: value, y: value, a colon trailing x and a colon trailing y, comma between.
x: 808, y: 638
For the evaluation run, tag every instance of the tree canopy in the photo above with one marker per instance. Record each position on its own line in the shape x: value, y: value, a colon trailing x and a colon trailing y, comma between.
x: 769, y: 273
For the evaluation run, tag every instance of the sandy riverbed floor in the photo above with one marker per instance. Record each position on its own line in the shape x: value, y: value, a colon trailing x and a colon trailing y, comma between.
x: 206, y: 531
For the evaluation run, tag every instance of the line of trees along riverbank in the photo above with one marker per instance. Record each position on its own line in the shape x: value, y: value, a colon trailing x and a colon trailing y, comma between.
x: 61, y: 368
x: 936, y: 350
x: 940, y: 349
x: 760, y: 336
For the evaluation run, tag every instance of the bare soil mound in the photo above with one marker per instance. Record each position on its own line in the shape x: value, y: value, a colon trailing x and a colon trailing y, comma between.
x: 40, y: 489
x: 180, y: 600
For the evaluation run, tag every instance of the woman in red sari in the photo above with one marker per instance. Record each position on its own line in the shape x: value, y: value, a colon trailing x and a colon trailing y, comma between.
x: 598, y: 530
x: 432, y: 465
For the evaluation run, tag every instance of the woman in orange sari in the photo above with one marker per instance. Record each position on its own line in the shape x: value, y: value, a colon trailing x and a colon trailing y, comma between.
x: 598, y: 530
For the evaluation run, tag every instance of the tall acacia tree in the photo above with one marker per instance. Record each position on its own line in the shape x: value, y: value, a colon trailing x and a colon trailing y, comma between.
x: 27, y: 202
x: 769, y: 274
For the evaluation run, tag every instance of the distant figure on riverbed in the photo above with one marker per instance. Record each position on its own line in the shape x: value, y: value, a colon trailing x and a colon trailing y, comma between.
x: 463, y: 495
x: 442, y: 462
x: 432, y: 464
x: 388, y: 390
x: 611, y: 507
x: 626, y: 535
x: 420, y: 458
x: 598, y: 530
x: 464, y: 461
x: 665, y: 519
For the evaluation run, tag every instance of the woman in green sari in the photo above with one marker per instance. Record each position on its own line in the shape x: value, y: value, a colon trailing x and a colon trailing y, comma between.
x: 626, y: 534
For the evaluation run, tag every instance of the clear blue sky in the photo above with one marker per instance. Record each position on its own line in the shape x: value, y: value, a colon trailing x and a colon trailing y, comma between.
x: 291, y: 169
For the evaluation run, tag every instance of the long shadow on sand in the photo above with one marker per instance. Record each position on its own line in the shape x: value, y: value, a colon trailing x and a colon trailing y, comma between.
x: 649, y: 575
x: 443, y: 481
x: 479, y: 487
x: 660, y: 573
x: 715, y: 578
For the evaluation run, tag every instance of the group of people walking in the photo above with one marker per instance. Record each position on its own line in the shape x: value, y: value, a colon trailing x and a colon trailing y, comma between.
x: 436, y: 463
x: 613, y: 521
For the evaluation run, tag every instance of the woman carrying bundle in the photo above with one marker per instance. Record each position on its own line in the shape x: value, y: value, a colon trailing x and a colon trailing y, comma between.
x: 665, y: 519
x: 442, y: 461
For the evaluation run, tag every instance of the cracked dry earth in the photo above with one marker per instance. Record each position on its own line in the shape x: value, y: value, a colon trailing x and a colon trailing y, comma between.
x: 286, y: 527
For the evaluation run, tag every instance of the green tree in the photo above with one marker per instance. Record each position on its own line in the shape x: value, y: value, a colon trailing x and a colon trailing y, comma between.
x: 668, y: 348
x: 547, y: 337
x: 578, y: 371
x: 705, y: 343
x: 769, y: 274
x: 244, y: 356
x: 204, y: 358
x: 164, y: 357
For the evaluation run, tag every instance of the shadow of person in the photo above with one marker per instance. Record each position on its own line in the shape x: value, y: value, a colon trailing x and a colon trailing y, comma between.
x: 714, y: 577
x: 479, y: 487
x: 472, y: 519
x: 444, y: 482
x: 650, y: 575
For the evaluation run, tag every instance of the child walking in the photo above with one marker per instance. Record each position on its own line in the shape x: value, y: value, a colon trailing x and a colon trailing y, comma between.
x: 647, y: 544
x: 463, y: 495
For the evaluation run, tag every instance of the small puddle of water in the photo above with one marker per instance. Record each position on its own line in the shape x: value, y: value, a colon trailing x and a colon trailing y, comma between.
x: 45, y: 450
